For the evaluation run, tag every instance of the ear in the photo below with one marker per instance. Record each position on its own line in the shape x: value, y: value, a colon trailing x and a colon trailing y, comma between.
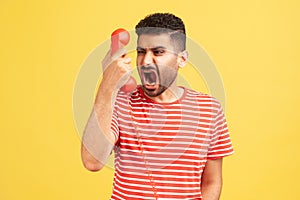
x: 183, y: 58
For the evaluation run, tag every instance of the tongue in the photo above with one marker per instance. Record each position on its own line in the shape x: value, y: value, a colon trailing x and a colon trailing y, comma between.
x: 151, y: 78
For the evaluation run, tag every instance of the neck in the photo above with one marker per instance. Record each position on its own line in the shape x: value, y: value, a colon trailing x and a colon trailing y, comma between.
x: 171, y: 94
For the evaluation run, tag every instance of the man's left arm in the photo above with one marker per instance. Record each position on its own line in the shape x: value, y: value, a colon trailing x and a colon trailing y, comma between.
x: 211, y: 181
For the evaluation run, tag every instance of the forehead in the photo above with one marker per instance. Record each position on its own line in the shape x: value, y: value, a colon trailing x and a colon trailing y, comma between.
x: 152, y: 41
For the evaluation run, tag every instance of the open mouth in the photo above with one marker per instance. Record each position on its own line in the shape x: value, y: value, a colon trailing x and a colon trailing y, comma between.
x: 150, y: 77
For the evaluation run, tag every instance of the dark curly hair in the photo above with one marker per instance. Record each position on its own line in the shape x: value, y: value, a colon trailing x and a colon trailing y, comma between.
x: 159, y: 23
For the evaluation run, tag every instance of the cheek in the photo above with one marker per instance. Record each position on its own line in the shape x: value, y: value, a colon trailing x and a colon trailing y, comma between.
x: 138, y: 61
x: 171, y: 66
x: 168, y: 61
x: 167, y: 73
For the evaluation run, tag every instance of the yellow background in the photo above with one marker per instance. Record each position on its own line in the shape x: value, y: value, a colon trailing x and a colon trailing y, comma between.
x: 254, y: 44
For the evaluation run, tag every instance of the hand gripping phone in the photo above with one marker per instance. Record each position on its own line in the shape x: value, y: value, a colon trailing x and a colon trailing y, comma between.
x: 120, y: 38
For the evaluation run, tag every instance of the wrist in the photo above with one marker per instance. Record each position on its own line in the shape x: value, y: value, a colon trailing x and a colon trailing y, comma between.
x: 105, y: 95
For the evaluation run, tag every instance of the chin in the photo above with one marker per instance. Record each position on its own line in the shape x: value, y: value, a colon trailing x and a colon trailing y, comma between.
x: 154, y: 92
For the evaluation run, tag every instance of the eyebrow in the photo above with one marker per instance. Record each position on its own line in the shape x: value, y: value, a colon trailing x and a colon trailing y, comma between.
x: 152, y: 49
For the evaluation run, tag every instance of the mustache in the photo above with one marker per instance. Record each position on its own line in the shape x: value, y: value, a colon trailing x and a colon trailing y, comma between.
x: 149, y: 67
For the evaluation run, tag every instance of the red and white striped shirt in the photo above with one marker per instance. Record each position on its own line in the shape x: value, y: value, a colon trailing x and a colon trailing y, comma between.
x: 162, y: 148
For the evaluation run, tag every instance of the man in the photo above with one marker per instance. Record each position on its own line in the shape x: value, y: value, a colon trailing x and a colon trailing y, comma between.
x: 169, y: 141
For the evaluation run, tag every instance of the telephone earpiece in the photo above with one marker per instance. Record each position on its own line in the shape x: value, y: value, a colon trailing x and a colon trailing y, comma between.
x: 120, y: 38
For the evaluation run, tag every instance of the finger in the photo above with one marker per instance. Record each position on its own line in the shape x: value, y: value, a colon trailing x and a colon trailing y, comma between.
x: 127, y: 60
x: 107, y: 59
x: 125, y: 67
x: 119, y: 53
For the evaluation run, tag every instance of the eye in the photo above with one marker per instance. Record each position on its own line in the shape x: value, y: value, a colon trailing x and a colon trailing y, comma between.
x: 141, y: 52
x: 158, y: 52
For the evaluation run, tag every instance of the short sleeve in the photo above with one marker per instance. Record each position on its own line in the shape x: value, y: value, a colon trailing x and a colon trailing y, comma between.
x: 220, y: 143
x: 114, y: 123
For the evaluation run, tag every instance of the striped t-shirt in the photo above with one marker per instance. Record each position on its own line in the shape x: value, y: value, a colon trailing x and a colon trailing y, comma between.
x: 162, y: 148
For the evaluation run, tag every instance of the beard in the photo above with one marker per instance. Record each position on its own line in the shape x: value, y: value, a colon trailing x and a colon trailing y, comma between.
x: 155, y: 80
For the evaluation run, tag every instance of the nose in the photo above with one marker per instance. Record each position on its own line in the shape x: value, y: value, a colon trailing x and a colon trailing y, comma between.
x: 148, y: 59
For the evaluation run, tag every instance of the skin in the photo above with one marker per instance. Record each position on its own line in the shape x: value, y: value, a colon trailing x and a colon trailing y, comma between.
x: 157, y: 51
x: 211, y: 182
x: 154, y: 51
x: 97, y: 140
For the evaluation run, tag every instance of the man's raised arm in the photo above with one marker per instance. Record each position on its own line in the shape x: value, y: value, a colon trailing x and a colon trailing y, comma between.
x: 98, y: 140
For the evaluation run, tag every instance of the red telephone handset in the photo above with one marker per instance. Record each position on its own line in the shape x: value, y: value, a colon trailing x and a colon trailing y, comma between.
x: 119, y: 39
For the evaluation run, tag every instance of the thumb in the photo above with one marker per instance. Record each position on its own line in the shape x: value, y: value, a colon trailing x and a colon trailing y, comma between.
x: 119, y: 53
x: 109, y: 58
